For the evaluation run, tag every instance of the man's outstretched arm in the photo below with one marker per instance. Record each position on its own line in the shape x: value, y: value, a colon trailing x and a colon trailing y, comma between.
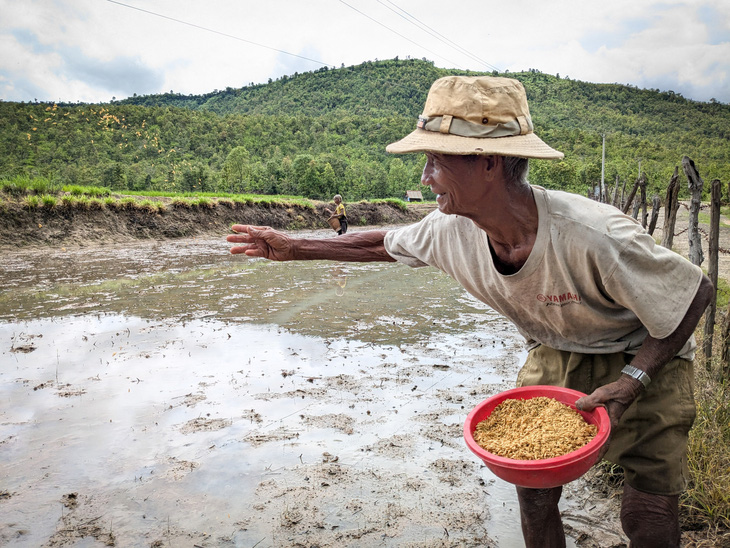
x: 263, y: 241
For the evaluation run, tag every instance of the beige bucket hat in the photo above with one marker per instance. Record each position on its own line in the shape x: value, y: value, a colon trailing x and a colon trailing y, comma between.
x: 476, y: 115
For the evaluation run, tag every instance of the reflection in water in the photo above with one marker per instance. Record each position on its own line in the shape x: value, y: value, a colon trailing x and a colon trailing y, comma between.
x: 339, y: 275
x: 385, y: 303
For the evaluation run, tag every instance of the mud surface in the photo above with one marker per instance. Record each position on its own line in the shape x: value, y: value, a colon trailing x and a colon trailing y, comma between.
x: 170, y: 394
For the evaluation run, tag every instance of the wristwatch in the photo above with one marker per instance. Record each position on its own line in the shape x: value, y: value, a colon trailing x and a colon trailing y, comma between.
x: 637, y: 374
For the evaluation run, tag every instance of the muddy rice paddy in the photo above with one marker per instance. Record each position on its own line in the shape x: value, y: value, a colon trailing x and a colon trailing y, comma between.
x: 171, y: 394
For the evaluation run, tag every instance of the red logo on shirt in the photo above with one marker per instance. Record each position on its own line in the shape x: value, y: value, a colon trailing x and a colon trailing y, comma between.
x: 559, y: 300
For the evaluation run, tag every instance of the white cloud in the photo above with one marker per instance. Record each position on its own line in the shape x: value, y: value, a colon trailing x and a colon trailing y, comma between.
x: 90, y: 50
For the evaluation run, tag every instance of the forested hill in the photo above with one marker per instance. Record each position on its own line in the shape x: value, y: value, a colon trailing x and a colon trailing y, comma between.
x: 379, y: 89
x: 325, y: 131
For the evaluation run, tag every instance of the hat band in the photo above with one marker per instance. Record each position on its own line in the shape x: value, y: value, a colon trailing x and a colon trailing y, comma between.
x: 458, y: 126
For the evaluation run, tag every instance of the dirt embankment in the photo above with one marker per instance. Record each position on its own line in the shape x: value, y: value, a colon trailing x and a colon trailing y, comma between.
x: 74, y: 226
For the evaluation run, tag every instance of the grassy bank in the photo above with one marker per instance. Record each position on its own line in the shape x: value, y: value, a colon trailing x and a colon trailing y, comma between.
x: 36, y: 212
x: 41, y: 192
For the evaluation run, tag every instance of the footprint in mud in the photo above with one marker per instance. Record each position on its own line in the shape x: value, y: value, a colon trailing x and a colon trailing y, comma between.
x: 70, y: 501
x: 204, y: 425
x: 23, y: 348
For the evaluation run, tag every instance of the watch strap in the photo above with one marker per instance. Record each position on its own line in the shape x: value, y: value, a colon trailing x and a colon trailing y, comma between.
x: 637, y: 374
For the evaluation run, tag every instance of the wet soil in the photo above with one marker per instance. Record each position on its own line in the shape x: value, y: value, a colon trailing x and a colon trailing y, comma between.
x: 161, y: 392
x: 167, y: 393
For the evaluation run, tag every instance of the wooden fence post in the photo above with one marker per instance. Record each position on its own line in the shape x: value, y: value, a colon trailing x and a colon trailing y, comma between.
x: 695, y: 186
x: 670, y: 210
x: 630, y: 198
x: 614, y: 201
x: 712, y: 270
x: 656, y: 203
x: 725, y: 353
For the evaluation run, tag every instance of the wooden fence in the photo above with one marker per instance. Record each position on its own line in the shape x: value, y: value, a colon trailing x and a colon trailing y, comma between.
x: 636, y: 201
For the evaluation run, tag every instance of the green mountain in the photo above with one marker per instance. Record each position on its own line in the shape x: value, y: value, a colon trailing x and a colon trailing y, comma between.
x: 324, y: 132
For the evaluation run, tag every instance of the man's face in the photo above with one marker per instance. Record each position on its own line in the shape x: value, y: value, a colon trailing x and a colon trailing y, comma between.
x: 457, y: 183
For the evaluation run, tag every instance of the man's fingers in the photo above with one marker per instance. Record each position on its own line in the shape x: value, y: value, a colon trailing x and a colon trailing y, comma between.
x: 250, y: 251
x: 237, y: 250
x: 585, y: 404
x: 246, y: 228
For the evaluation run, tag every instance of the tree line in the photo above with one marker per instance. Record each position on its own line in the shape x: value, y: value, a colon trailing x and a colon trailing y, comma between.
x: 324, y: 132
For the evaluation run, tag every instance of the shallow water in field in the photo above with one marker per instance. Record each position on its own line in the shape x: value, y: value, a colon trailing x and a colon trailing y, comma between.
x: 173, y: 394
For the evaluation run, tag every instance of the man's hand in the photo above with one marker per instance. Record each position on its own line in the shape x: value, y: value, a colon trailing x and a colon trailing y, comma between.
x: 261, y: 241
x: 616, y: 397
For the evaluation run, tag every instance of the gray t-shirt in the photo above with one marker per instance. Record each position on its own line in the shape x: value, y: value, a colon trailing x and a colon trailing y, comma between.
x: 595, y: 281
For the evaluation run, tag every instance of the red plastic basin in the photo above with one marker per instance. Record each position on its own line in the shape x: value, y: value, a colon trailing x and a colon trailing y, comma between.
x: 541, y: 473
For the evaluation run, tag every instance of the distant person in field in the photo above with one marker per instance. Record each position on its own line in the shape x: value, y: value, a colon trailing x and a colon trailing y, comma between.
x: 603, y: 309
x: 339, y: 212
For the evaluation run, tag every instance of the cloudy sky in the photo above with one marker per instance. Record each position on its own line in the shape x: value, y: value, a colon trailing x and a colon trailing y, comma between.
x: 93, y: 50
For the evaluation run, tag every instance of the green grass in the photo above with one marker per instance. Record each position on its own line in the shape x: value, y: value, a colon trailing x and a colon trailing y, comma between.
x: 49, y: 200
x: 204, y: 203
x: 94, y: 191
x: 246, y: 199
x: 396, y: 202
x: 21, y: 185
x: 706, y: 502
x: 127, y: 203
x: 183, y: 203
x: 31, y: 201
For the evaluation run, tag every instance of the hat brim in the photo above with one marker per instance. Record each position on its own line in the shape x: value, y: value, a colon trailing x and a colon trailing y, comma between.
x: 522, y: 146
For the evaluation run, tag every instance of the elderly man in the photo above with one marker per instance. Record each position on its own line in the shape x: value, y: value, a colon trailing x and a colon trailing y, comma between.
x: 602, y: 308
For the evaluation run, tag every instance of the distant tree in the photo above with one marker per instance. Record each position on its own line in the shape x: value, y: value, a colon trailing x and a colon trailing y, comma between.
x: 306, y: 177
x: 398, y: 180
x: 236, y: 170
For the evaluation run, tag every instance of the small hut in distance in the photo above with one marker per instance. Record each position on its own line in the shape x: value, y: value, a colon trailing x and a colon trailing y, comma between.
x: 414, y: 196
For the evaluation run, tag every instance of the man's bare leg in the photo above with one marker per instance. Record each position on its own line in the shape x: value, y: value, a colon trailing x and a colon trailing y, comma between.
x: 540, y: 517
x: 650, y: 521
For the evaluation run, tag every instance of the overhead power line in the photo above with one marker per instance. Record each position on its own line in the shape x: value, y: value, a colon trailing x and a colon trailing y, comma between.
x: 397, y: 33
x: 423, y: 26
x: 219, y: 33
